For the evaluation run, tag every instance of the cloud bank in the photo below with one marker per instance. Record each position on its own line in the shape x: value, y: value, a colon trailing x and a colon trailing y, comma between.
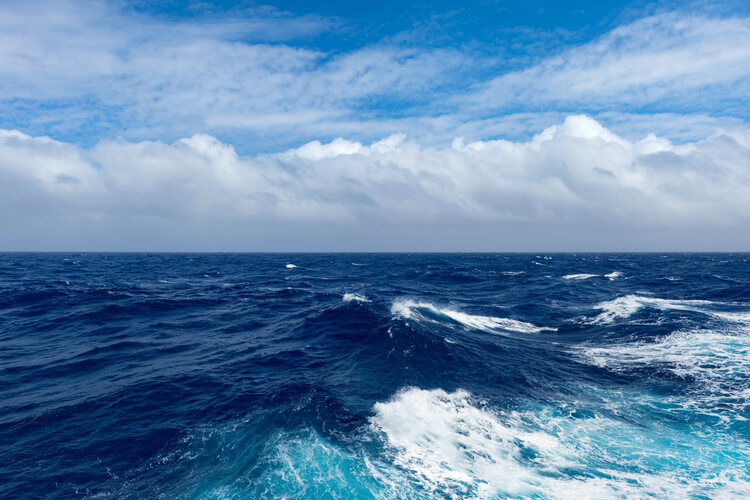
x: 573, y: 186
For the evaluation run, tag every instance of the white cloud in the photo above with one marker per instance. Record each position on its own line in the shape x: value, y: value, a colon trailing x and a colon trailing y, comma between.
x: 198, y: 193
x: 89, y: 69
x: 670, y: 59
x: 147, y: 77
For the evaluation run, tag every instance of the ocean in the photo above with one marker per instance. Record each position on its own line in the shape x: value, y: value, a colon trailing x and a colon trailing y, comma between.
x: 374, y: 375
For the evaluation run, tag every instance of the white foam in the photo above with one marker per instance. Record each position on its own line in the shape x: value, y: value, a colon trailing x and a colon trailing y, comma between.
x: 349, y: 297
x: 626, y: 306
x: 613, y: 275
x: 408, y: 309
x: 454, y: 446
x: 702, y: 354
x: 582, y: 276
x: 438, y: 444
x: 719, y: 362
x: 451, y: 446
x: 290, y: 266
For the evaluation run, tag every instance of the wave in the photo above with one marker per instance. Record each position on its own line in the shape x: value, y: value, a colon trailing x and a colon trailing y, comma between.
x: 707, y: 355
x: 451, y: 445
x: 349, y: 297
x: 410, y: 309
x: 613, y: 275
x: 582, y: 276
x: 626, y: 306
x: 718, y: 362
x: 290, y: 266
x: 292, y: 464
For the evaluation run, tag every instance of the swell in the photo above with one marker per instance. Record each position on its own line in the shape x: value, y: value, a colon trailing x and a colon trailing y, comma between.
x: 234, y: 376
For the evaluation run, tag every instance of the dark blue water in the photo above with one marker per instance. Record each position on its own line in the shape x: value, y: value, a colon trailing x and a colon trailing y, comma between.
x: 491, y: 376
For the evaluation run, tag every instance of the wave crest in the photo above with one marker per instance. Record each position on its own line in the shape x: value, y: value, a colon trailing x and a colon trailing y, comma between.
x: 354, y: 297
x: 453, y: 446
x: 626, y: 306
x: 411, y: 309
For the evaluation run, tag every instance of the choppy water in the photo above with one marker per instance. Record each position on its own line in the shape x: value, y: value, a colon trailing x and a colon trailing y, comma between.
x: 340, y: 376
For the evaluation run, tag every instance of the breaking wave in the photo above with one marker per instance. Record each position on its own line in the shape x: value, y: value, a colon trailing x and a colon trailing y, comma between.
x: 354, y: 297
x: 418, y: 310
x: 626, y: 306
x: 452, y: 445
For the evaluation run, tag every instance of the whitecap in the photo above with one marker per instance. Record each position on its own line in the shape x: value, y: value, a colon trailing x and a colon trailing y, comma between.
x: 626, y: 306
x: 613, y: 275
x: 290, y: 266
x: 707, y: 355
x: 582, y: 276
x: 718, y: 362
x: 452, y: 445
x: 349, y: 297
x: 407, y: 309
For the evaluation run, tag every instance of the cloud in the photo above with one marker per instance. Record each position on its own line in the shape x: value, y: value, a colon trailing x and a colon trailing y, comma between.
x: 574, y: 182
x: 382, y: 146
x: 90, y: 70
x: 673, y: 61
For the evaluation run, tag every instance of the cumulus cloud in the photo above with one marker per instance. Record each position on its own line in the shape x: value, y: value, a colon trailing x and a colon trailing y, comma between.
x: 571, y: 182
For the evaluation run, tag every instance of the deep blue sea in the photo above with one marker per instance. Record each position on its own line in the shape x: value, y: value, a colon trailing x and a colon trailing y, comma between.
x: 374, y: 376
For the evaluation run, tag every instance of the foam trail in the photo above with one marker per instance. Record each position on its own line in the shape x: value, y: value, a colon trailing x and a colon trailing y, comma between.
x: 349, y: 297
x: 626, y: 306
x: 582, y: 276
x: 718, y: 363
x: 706, y: 355
x: 411, y: 309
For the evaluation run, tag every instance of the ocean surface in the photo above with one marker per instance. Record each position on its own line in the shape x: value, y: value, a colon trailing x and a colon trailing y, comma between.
x: 374, y: 376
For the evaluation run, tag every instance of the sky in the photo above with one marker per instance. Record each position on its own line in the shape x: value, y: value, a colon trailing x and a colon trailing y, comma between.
x: 374, y: 126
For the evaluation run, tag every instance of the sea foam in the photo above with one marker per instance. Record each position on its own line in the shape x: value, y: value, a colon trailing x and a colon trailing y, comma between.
x: 453, y: 446
x: 626, y: 306
x: 354, y: 297
x: 718, y: 361
x: 406, y: 308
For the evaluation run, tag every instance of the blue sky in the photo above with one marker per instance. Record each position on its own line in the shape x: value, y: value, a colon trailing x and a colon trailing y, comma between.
x: 84, y: 71
x: 495, y: 97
